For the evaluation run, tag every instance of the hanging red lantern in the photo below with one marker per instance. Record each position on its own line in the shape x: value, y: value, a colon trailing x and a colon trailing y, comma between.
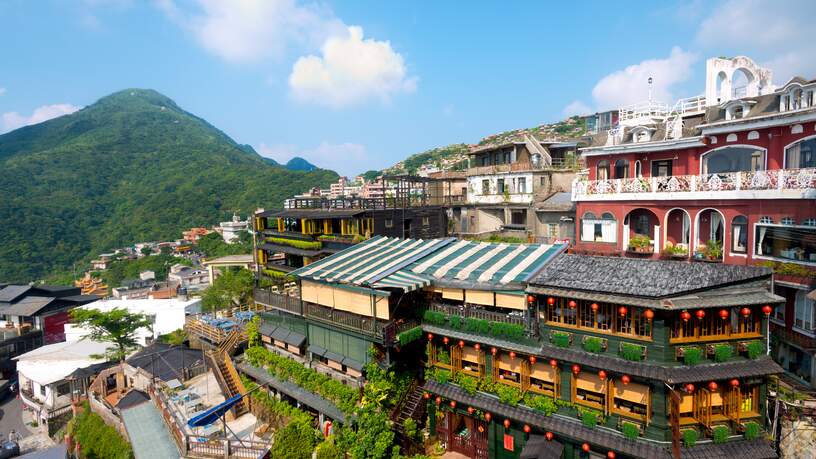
x: 477, y: 346
x: 576, y: 369
x: 493, y: 350
x: 572, y: 304
x: 553, y: 363
x: 700, y: 313
x: 471, y: 410
x: 551, y: 301
x: 527, y: 428
x: 530, y: 298
x: 487, y: 417
x: 585, y: 447
x: 767, y: 309
x: 610, y: 455
x: 712, y: 386
x: 745, y: 312
x: 430, y: 336
x: 625, y: 379
x: 461, y: 343
x: 438, y: 400
x: 723, y: 314
x: 512, y: 354
x: 506, y: 423
x: 648, y: 314
x: 685, y: 315
x: 427, y: 395
x: 689, y: 387
x: 594, y: 307
x: 549, y: 436
x: 453, y: 403
x: 602, y: 375
x: 734, y: 382
x: 445, y: 340
x: 622, y: 310
x: 532, y: 359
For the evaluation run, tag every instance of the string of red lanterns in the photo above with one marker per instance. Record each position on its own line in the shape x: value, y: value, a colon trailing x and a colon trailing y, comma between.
x: 712, y: 386
x: 622, y: 310
x: 572, y: 304
x: 745, y: 312
x: 594, y: 307
x: 700, y: 314
x: 689, y: 388
x: 551, y: 301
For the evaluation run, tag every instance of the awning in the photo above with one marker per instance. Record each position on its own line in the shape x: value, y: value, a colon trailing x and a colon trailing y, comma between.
x: 353, y: 364
x: 404, y: 279
x: 317, y: 350
x: 295, y: 339
x: 333, y: 356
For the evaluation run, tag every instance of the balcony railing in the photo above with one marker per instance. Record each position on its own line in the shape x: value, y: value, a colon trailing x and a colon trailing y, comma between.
x: 772, y: 180
x: 478, y: 313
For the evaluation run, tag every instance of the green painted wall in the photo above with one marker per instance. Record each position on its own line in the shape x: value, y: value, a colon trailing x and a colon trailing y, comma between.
x: 339, y: 342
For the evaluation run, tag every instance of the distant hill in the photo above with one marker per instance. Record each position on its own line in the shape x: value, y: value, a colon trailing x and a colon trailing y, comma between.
x: 299, y: 164
x: 132, y: 167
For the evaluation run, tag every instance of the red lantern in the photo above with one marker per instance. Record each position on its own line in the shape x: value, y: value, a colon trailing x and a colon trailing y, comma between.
x: 512, y: 354
x: 734, y: 382
x: 551, y: 301
x: 585, y: 447
x: 723, y: 314
x: 610, y: 455
x: 602, y: 375
x: 745, y: 312
x: 430, y: 336
x: 549, y: 436
x: 530, y: 298
x: 572, y: 304
x: 527, y: 428
x: 471, y: 410
x: 767, y: 309
x: 553, y: 363
x: 453, y: 403
x: 427, y: 395
x: 594, y: 307
x: 625, y: 379
x: 487, y: 417
x: 438, y: 400
x: 461, y: 343
x: 576, y: 369
x: 477, y: 346
x: 622, y: 310
x: 712, y: 386
x: 506, y: 423
x: 532, y: 359
x: 493, y: 350
x: 689, y: 387
x: 445, y: 340
x: 685, y: 315
x: 700, y: 314
x: 649, y: 314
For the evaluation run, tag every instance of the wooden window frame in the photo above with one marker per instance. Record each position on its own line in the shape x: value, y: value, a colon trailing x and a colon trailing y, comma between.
x: 692, y: 330
x: 553, y: 316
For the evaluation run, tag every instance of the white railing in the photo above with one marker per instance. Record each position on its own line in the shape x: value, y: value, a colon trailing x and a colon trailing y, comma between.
x: 643, y: 109
x: 689, y: 105
x: 780, y: 179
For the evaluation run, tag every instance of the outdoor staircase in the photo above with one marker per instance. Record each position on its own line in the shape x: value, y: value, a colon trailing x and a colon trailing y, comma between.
x: 534, y: 146
x: 229, y: 381
x: 412, y: 406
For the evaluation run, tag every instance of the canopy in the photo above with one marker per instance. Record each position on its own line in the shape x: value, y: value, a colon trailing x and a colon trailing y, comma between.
x: 215, y: 413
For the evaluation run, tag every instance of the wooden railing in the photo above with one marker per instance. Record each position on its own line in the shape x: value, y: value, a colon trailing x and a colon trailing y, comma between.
x: 276, y: 300
x: 195, y: 326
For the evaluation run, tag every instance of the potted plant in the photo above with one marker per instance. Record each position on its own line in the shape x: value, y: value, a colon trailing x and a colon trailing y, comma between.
x: 713, y: 250
x: 675, y: 251
x: 640, y: 243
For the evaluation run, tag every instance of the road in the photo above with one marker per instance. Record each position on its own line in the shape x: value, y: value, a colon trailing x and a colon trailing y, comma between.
x: 11, y: 417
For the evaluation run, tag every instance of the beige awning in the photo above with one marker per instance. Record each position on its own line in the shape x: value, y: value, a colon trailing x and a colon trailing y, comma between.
x: 590, y: 382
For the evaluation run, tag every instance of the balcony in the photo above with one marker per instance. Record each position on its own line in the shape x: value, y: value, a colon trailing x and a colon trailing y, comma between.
x: 465, y: 312
x: 772, y: 184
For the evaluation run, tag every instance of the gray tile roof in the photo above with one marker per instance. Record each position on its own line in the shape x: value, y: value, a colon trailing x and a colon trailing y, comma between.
x: 639, y: 277
x: 752, y: 449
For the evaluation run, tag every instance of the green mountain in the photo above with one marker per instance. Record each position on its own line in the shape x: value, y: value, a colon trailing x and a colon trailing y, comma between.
x: 132, y: 167
x: 299, y: 164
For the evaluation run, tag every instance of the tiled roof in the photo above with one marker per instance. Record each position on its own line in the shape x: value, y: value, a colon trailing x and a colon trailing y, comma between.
x: 639, y: 277
x: 752, y: 449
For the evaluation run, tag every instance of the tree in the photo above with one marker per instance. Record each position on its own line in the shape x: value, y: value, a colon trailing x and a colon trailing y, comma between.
x: 230, y: 289
x: 146, y: 250
x: 117, y: 326
x: 296, y: 440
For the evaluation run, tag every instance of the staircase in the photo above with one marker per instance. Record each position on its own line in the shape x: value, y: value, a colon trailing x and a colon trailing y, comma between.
x: 533, y: 146
x: 228, y: 379
x: 411, y: 407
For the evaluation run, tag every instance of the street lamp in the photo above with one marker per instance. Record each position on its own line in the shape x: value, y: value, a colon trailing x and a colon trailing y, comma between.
x: 650, y: 91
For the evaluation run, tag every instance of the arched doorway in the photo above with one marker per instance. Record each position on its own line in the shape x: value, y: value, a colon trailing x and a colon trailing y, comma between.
x: 678, y: 232
x: 641, y: 229
x: 709, y: 234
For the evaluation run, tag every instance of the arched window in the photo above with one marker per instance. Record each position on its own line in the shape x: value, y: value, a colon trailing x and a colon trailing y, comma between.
x: 801, y: 155
x: 599, y: 230
x: 638, y: 170
x: 739, y: 234
x: 603, y: 170
x: 621, y: 169
x: 734, y: 159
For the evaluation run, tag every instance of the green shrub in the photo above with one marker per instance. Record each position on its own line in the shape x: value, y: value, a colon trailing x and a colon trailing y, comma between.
x: 560, y: 339
x: 755, y: 349
x: 541, y: 403
x: 751, y: 430
x: 631, y: 352
x: 589, y: 418
x: 295, y: 440
x: 723, y: 352
x: 692, y: 355
x: 479, y: 326
x: 276, y: 412
x: 456, y: 322
x: 411, y: 429
x: 719, y: 434
x: 444, y: 356
x: 328, y: 450
x: 508, y: 395
x: 690, y: 437
x: 297, y: 243
x: 630, y: 430
x: 639, y: 241
x: 441, y: 375
x: 506, y: 331
x: 98, y: 439
x: 468, y: 383
x: 435, y: 317
x: 593, y: 344
x: 409, y: 336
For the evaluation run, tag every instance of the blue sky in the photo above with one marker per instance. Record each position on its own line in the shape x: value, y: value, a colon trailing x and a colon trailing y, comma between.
x: 360, y: 85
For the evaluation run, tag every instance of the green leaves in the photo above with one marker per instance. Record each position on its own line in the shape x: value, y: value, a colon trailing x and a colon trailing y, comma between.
x: 719, y: 434
x: 232, y: 288
x: 723, y: 352
x: 98, y: 439
x: 690, y: 437
x: 755, y: 349
x: 692, y: 355
x: 117, y: 326
x: 409, y: 336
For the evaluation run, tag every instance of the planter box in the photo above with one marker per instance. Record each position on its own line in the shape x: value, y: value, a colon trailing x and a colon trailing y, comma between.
x: 604, y: 341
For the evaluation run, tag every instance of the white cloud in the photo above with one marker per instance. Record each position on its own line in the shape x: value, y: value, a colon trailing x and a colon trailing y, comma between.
x: 249, y: 30
x: 14, y: 120
x: 345, y: 158
x: 576, y: 107
x: 350, y: 70
x: 778, y: 34
x: 2, y: 91
x: 630, y: 85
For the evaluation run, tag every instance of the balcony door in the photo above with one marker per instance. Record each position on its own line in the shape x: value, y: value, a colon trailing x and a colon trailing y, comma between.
x: 662, y: 168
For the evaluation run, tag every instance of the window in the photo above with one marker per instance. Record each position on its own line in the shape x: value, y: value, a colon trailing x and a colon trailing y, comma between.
x: 599, y: 230
x: 389, y: 223
x: 426, y: 221
x: 638, y: 171
x: 42, y: 390
x: 765, y: 219
x: 712, y: 327
x: 522, y: 185
x: 621, y: 169
x: 63, y: 389
x: 589, y: 390
x: 603, y: 170
x: 552, y: 230
x: 518, y: 217
x: 641, y: 225
x: 809, y: 222
x: 630, y: 400
x: 500, y: 186
x: 796, y: 243
x: 802, y: 154
x: 606, y: 318
x: 779, y: 312
x: 739, y: 234
x: 485, y: 186
x: 733, y: 159
x: 662, y: 168
x: 803, y: 312
x: 788, y: 221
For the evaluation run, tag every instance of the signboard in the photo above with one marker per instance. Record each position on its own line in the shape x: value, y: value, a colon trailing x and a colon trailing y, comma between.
x: 508, y: 442
x: 54, y: 327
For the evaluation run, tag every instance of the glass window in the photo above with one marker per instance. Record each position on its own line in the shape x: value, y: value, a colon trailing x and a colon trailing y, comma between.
x: 603, y: 170
x: 485, y: 186
x: 803, y: 315
x: 638, y: 171
x: 522, y: 185
x: 779, y: 312
x: 809, y: 222
x: 621, y: 169
x: 426, y: 221
x: 500, y: 186
x: 739, y: 234
x: 733, y: 159
x: 518, y: 217
x: 662, y: 168
x: 63, y: 389
x: 389, y: 223
x: 796, y: 243
x: 788, y: 221
x: 765, y: 219
x: 603, y: 230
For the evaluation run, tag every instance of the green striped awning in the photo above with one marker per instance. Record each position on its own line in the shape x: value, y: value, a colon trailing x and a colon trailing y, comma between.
x: 404, y: 279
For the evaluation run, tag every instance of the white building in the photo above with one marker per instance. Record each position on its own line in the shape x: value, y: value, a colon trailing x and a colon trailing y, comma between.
x: 167, y: 315
x: 231, y: 230
x: 189, y: 278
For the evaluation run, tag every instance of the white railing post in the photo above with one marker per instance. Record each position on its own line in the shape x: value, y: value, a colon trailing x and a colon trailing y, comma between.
x: 618, y: 186
x: 780, y: 179
x: 738, y: 181
x: 653, y: 184
x: 693, y: 183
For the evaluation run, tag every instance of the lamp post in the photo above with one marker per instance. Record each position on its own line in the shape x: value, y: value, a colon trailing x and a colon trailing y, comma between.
x: 651, y: 80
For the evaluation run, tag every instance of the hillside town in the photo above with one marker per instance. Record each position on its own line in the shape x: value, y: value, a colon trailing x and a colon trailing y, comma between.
x: 634, y: 283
